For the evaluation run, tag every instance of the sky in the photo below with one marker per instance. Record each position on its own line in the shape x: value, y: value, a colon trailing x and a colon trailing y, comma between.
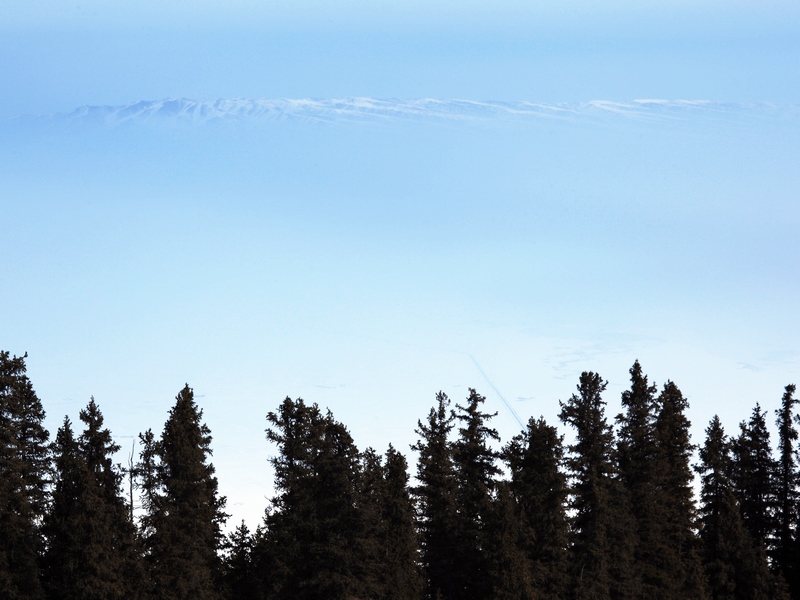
x: 367, y: 264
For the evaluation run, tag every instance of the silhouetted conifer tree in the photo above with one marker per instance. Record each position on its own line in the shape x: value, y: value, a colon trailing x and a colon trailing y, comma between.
x: 24, y: 464
x: 636, y: 463
x: 677, y: 514
x: 401, y: 576
x: 184, y: 512
x: 338, y: 554
x: 315, y: 530
x: 436, y: 499
x: 264, y: 556
x: 63, y: 524
x: 389, y: 566
x: 371, y: 491
x: 238, y: 566
x: 92, y: 551
x: 476, y: 470
x: 735, y: 568
x: 753, y: 474
x: 786, y: 551
x: 282, y: 549
x: 603, y: 538
x: 539, y: 491
x: 509, y: 569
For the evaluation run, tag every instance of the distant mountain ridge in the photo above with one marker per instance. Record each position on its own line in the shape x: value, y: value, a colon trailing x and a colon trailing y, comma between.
x: 199, y: 112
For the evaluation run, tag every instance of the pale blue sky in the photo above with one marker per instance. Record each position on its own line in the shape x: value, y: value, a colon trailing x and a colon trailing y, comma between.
x: 362, y: 265
x: 58, y: 54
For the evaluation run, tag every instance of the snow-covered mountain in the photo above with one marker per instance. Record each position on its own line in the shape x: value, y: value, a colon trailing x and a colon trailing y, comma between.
x: 370, y: 109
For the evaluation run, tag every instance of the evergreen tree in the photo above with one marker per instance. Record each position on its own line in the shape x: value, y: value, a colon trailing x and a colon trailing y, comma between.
x: 436, y: 499
x: 282, y: 547
x: 786, y: 554
x: 119, y: 549
x: 184, y: 512
x: 314, y: 542
x: 63, y: 561
x: 371, y: 492
x: 753, y: 471
x: 389, y: 568
x: 238, y: 566
x: 539, y: 492
x: 510, y: 569
x: 601, y: 540
x: 24, y: 464
x: 684, y: 576
x: 475, y: 470
x: 337, y: 556
x: 636, y: 462
x: 735, y: 569
x: 402, y: 579
x: 91, y: 541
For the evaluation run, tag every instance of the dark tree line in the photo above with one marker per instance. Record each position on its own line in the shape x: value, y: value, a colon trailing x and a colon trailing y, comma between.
x: 611, y: 515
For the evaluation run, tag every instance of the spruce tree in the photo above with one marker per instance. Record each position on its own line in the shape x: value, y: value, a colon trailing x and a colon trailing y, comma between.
x: 786, y: 552
x: 338, y: 553
x: 238, y: 566
x: 734, y: 567
x: 538, y: 489
x: 601, y: 536
x: 436, y: 500
x: 370, y: 494
x: 314, y: 544
x: 753, y: 471
x: 684, y: 576
x: 98, y: 448
x: 91, y: 542
x: 389, y: 568
x: 282, y: 549
x: 402, y: 579
x: 475, y: 470
x: 264, y: 558
x: 636, y: 464
x: 63, y: 524
x: 24, y: 465
x: 510, y: 570
x: 184, y: 512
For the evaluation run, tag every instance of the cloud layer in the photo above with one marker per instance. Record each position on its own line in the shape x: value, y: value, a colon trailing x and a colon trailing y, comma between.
x: 199, y: 112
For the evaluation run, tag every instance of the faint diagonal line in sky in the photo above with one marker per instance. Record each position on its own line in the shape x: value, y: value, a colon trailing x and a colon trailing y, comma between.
x: 438, y: 349
x: 496, y: 391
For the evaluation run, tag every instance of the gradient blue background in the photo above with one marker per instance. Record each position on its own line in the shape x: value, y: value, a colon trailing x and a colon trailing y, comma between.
x: 364, y: 266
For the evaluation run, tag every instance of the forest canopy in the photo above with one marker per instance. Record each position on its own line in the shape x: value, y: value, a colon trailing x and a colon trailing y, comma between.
x: 630, y: 509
